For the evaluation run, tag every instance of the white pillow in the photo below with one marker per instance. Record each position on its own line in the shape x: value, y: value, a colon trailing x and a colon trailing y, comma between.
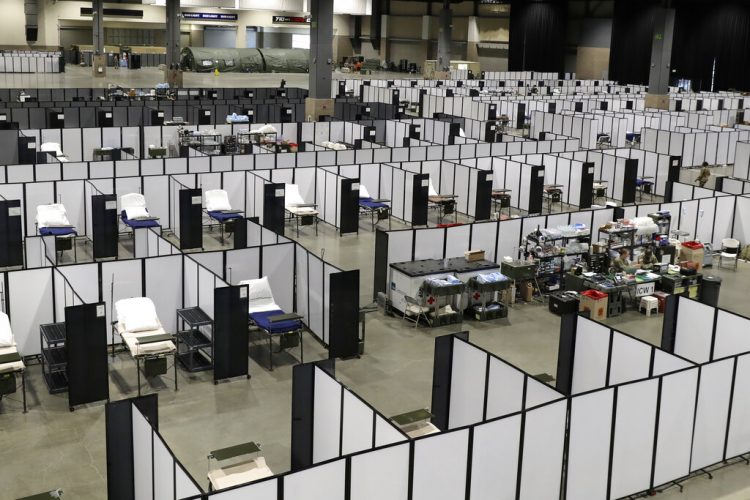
x: 133, y: 213
x: 51, y: 215
x: 267, y: 129
x: 292, y: 196
x: 6, y: 335
x: 258, y: 291
x: 137, y: 314
x: 363, y: 193
x: 431, y: 190
x: 217, y: 199
x: 132, y: 200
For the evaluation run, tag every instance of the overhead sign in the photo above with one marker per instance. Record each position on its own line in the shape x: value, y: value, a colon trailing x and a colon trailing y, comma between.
x: 291, y: 19
x: 209, y: 16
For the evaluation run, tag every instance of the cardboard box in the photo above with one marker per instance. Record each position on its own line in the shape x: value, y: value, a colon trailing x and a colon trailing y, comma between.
x: 693, y: 252
x: 474, y: 255
x: 526, y: 289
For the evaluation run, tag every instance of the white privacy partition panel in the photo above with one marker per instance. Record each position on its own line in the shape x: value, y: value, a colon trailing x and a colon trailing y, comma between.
x: 142, y: 456
x: 732, y: 335
x: 381, y: 474
x: 738, y: 437
x: 184, y: 485
x: 440, y: 465
x: 630, y: 359
x: 709, y: 434
x: 385, y: 433
x: 322, y: 481
x: 327, y: 417
x: 695, y: 325
x: 494, y: 459
x: 591, y: 354
x: 466, y: 390
x: 163, y: 469
x: 589, y: 444
x: 357, y: 427
x: 505, y: 389
x: 633, y: 445
x: 543, y: 443
x: 675, y: 425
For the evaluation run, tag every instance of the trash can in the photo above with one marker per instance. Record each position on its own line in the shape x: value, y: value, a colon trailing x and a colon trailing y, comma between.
x: 595, y: 302
x: 710, y: 287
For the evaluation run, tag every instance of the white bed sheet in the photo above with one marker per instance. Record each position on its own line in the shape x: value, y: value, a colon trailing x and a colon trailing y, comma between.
x: 132, y: 341
x: 14, y: 366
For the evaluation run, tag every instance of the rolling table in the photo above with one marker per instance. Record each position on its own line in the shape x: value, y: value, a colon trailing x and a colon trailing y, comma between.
x: 553, y: 194
x: 501, y: 197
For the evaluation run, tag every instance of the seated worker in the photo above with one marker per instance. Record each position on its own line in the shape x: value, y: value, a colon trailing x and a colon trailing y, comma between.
x: 621, y: 263
x: 648, y: 260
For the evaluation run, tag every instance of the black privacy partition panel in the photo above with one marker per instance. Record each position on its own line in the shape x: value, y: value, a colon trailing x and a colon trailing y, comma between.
x: 349, y: 206
x: 420, y: 190
x: 273, y: 207
x: 536, y: 190
x: 628, y: 185
x: 230, y: 349
x: 191, y: 213
x: 566, y: 352
x: 86, y: 350
x: 119, y: 437
x: 441, y: 379
x: 344, y: 315
x: 587, y: 186
x: 11, y: 241
x: 483, y: 202
x: 104, y: 225
x: 303, y: 403
x: 239, y: 230
x: 381, y: 263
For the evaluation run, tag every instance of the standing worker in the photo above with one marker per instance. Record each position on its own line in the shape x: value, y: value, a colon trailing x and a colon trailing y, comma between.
x: 116, y: 60
x: 705, y: 173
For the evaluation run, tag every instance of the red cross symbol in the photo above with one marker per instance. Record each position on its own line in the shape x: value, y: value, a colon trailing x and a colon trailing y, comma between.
x: 431, y: 300
x: 477, y: 295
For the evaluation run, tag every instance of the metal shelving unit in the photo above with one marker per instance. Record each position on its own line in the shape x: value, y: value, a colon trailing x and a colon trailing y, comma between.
x: 556, y: 260
x: 54, y: 357
x: 194, y: 347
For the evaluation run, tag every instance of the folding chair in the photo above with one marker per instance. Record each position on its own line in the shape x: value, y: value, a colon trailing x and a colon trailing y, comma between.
x: 730, y: 249
x: 414, y: 310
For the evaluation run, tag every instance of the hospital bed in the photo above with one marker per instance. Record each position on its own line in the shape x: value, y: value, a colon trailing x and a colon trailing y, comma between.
x: 444, y: 203
x: 54, y: 149
x: 416, y: 423
x: 269, y: 318
x: 133, y: 212
x: 304, y: 214
x: 219, y: 209
x: 377, y: 209
x: 144, y: 337
x: 231, y: 470
x: 11, y: 362
x: 52, y: 220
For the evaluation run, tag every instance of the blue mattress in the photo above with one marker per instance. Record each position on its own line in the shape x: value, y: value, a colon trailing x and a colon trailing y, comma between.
x: 222, y: 217
x: 138, y: 223
x: 261, y: 319
x: 57, y: 231
x: 372, y: 205
x: 641, y: 182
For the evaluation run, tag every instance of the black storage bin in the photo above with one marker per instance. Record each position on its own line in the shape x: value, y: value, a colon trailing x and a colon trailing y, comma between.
x: 563, y: 303
x: 7, y: 383
x: 154, y: 367
x: 710, y: 287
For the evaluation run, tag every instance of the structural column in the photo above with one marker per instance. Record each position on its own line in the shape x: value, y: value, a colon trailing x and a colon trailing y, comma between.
x: 661, y: 53
x: 444, y: 37
x: 319, y: 101
x: 173, y: 75
x: 99, y: 60
x: 472, y: 39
